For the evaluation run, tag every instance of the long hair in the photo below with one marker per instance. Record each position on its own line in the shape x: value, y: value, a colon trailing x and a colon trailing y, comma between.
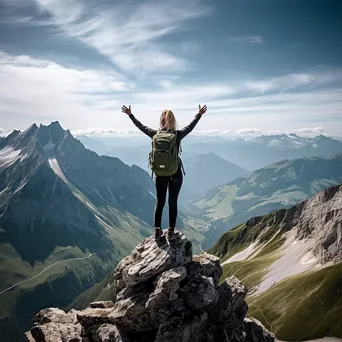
x: 168, y: 120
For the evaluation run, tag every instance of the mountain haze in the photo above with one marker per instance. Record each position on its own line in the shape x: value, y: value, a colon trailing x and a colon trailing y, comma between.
x: 261, y: 151
x: 276, y: 186
x: 249, y: 154
x: 207, y: 171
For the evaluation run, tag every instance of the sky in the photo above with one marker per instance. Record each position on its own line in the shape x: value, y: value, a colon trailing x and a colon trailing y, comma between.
x: 261, y: 67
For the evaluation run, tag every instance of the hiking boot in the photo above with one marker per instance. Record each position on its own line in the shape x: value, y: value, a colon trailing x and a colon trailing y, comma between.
x: 158, y: 233
x: 170, y: 233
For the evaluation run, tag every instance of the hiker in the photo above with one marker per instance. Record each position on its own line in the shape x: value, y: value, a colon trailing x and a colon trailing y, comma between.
x: 165, y: 163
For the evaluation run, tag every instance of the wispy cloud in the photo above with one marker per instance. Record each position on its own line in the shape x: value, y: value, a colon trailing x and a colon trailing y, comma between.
x: 246, y: 39
x: 312, y: 130
x: 129, y: 33
x: 248, y: 131
x: 105, y: 132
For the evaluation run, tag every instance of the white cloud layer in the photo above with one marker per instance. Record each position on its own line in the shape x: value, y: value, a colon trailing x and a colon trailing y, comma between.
x: 313, y: 130
x: 105, y: 132
x: 248, y: 131
x: 36, y: 90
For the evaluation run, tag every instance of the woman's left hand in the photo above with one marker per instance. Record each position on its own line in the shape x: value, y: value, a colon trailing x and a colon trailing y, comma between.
x: 202, y: 110
x: 126, y: 110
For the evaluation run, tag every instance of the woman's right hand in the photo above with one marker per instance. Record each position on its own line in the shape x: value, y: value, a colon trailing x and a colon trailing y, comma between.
x: 126, y: 110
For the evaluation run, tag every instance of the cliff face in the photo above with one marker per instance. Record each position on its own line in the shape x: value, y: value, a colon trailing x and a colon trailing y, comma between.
x: 160, y: 294
x: 315, y: 223
x: 291, y: 261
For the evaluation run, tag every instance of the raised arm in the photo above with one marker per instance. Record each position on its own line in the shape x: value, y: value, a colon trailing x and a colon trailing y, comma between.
x: 182, y: 133
x: 148, y: 131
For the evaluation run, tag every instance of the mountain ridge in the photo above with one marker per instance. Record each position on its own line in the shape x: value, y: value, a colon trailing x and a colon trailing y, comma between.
x: 249, y: 154
x: 276, y: 186
x: 291, y: 261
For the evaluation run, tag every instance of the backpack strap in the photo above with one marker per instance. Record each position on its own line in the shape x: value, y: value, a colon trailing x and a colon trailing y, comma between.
x: 182, y: 166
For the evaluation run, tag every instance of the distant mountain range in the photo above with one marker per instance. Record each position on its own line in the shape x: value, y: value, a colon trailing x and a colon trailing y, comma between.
x: 248, y: 154
x: 267, y: 149
x: 276, y: 186
x: 205, y: 172
x: 291, y: 262
x: 67, y: 216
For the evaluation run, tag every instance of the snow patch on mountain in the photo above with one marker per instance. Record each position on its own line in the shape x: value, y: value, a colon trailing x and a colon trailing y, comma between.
x: 8, y: 156
x: 20, y: 187
x: 57, y: 169
x: 282, y: 141
x: 243, y: 255
x: 297, y: 258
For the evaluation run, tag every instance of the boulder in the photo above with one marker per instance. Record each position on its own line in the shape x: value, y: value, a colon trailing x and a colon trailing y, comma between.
x: 164, y: 294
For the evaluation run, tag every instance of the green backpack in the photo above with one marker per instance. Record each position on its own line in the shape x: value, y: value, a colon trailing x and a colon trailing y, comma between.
x: 163, y: 159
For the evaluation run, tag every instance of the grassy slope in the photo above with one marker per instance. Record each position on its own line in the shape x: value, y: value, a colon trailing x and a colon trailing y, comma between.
x: 15, y: 270
x: 124, y: 229
x: 303, y: 307
x: 251, y: 271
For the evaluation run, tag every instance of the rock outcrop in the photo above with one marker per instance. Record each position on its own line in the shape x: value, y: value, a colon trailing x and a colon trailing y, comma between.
x: 163, y: 294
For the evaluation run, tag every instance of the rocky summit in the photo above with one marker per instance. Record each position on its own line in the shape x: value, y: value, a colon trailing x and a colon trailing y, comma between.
x: 162, y: 294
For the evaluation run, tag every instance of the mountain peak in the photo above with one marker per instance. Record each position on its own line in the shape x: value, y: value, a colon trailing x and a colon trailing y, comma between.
x: 31, y: 130
x: 50, y: 135
x: 55, y: 125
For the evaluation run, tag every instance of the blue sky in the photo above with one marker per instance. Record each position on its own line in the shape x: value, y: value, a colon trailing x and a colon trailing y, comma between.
x: 260, y: 66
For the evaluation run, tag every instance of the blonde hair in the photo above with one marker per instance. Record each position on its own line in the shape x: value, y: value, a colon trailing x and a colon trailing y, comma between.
x: 170, y: 120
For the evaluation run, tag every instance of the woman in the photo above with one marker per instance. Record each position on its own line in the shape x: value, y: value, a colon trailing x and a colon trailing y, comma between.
x: 173, y: 183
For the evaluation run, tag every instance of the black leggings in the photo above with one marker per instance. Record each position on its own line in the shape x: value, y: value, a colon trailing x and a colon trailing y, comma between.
x: 174, y: 185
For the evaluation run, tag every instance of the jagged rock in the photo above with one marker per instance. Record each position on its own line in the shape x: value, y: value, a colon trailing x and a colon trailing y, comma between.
x: 29, y: 337
x: 163, y: 295
x: 109, y: 333
x: 57, y: 332
x: 210, y: 266
x: 256, y: 332
x: 55, y: 315
x: 199, y: 292
x: 94, y: 317
x: 148, y: 260
x: 102, y: 305
x: 168, y: 283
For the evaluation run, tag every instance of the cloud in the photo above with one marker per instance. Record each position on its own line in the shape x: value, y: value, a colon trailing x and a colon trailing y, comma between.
x: 294, y: 81
x: 274, y: 132
x: 208, y: 132
x: 129, y: 34
x: 248, y: 131
x: 105, y: 132
x: 37, y: 90
x: 246, y: 39
x: 2, y: 131
x: 315, y: 130
x: 31, y: 89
